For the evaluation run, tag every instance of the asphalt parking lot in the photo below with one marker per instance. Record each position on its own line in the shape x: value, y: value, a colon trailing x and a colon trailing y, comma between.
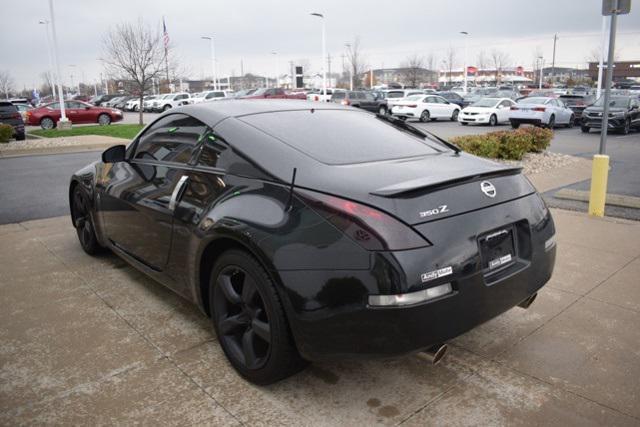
x: 91, y: 341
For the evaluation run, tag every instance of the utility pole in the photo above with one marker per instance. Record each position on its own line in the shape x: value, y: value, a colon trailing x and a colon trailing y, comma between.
x: 65, y: 123
x: 329, y: 65
x: 553, y: 61
x: 324, y: 54
x: 602, y: 52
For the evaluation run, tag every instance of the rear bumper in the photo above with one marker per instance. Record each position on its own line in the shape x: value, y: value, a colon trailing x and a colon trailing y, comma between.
x: 328, y: 309
x: 526, y: 121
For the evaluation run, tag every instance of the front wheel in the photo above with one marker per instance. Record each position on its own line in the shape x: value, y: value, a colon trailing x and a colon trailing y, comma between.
x: 382, y: 111
x: 493, y: 120
x: 626, y: 128
x: 166, y: 107
x: 585, y: 129
x: 464, y: 123
x: 47, y: 123
x: 249, y: 320
x: 425, y: 116
x: 454, y: 116
x: 83, y: 223
x: 104, y: 119
x: 572, y: 121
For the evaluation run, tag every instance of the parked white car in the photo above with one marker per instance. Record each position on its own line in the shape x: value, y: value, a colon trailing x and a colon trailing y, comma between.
x: 490, y: 111
x: 148, y: 103
x: 134, y: 104
x: 318, y: 95
x: 425, y: 108
x: 211, y: 95
x: 171, y: 100
x: 541, y: 111
x: 394, y: 96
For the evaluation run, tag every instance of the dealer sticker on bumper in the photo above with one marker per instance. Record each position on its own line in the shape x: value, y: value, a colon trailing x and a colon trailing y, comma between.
x: 436, y: 274
x: 500, y: 261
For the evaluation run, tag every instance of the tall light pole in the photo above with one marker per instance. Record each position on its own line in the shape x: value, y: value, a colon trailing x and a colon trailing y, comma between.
x: 324, y: 55
x: 73, y: 66
x: 602, y: 52
x: 51, y: 73
x: 541, y: 59
x: 466, y: 36
x: 275, y: 55
x: 348, y: 46
x: 63, y: 116
x: 213, y: 61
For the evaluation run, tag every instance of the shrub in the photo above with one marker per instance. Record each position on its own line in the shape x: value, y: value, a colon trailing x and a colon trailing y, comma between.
x: 6, y: 133
x: 509, y: 145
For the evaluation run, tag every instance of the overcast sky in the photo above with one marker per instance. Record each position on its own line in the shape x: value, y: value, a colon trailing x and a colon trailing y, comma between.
x: 250, y: 30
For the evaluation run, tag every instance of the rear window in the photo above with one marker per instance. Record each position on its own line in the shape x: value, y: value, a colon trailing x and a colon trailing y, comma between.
x: 398, y: 94
x: 7, y: 107
x: 339, y: 137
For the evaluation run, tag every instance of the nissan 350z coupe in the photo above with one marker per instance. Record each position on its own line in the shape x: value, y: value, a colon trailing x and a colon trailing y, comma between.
x: 308, y: 231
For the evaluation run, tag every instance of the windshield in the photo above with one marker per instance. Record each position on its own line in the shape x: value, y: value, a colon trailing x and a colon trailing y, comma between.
x: 534, y: 100
x: 615, y: 102
x: 486, y: 102
x: 260, y: 91
x: 322, y: 135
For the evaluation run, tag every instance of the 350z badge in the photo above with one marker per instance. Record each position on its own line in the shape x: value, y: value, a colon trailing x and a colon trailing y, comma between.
x: 436, y: 211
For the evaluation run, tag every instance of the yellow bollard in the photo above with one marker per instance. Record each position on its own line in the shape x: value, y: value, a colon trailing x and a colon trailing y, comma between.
x: 599, y: 176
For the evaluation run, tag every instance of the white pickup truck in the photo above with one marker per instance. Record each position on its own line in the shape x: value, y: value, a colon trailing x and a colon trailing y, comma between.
x: 317, y: 95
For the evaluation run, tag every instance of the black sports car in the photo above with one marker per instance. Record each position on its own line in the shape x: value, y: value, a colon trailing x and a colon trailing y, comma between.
x: 309, y: 231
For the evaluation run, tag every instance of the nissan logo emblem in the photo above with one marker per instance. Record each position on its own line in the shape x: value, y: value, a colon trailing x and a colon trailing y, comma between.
x: 488, y: 189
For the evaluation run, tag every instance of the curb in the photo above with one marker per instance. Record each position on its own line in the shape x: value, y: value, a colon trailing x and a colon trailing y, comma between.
x: 612, y: 199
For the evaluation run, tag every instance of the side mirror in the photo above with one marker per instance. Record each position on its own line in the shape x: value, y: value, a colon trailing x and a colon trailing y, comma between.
x: 114, y: 154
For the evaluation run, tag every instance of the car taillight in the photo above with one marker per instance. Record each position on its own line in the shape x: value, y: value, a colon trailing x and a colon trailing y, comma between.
x: 346, y: 102
x: 372, y: 229
x: 541, y: 109
x: 514, y: 108
x: 412, y: 106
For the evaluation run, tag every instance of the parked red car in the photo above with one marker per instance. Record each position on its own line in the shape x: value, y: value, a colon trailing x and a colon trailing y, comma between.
x: 274, y: 93
x: 48, y: 115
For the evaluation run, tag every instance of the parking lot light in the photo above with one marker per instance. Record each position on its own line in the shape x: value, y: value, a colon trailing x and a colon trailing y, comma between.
x: 65, y: 123
x: 324, y: 54
x: 466, y: 36
x: 213, y: 61
x: 51, y: 73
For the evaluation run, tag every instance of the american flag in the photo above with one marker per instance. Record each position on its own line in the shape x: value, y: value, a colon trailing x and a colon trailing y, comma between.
x: 165, y: 34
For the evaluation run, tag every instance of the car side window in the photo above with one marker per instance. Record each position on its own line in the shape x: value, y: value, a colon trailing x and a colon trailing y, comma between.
x: 279, y: 91
x: 369, y: 97
x: 441, y: 100
x: 429, y: 100
x: 171, y: 139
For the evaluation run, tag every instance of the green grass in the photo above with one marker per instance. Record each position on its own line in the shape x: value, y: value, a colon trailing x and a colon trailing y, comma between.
x: 116, y: 131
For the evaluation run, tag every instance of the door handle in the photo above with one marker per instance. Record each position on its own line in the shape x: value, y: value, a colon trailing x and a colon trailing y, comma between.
x: 177, y: 192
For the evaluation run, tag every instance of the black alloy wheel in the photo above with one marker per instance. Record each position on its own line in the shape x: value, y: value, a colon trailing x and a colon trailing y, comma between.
x: 454, y: 116
x: 572, y: 121
x: 249, y: 320
x: 425, y: 116
x: 552, y: 122
x: 585, y: 129
x: 493, y: 120
x: 83, y: 223
x: 626, y: 128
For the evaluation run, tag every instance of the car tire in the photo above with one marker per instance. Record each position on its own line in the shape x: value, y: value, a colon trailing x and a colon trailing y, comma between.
x: 464, y: 123
x: 515, y: 125
x: 104, y: 119
x: 21, y: 137
x: 136, y: 108
x: 626, y: 128
x: 552, y: 122
x: 166, y: 107
x: 250, y: 321
x: 425, y: 116
x: 572, y: 121
x: 585, y: 129
x: 47, y: 123
x: 454, y: 115
x: 83, y: 223
x: 382, y: 111
x: 493, y: 120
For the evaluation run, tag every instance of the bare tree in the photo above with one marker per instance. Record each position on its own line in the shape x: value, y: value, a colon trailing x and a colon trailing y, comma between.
x: 482, y: 60
x: 355, y: 61
x: 449, y: 60
x: 431, y: 64
x: 413, y: 70
x: 499, y: 60
x: 6, y: 83
x: 47, y: 86
x: 594, y: 55
x: 135, y: 53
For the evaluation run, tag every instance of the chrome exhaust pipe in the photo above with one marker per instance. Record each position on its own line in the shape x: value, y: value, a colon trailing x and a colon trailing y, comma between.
x: 434, y: 354
x: 527, y: 303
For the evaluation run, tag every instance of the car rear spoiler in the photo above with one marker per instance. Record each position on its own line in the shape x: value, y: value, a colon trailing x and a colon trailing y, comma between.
x: 428, y: 182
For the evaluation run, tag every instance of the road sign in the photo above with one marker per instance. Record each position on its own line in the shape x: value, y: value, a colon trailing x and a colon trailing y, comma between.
x: 619, y: 7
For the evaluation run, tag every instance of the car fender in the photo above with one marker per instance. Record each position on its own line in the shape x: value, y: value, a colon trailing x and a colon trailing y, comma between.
x: 86, y: 178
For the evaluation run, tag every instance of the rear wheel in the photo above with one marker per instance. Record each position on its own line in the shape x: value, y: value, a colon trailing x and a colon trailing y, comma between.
x: 47, y: 123
x: 104, y: 119
x: 166, y: 107
x: 572, y: 121
x: 626, y: 128
x: 454, y: 116
x: 20, y: 137
x: 249, y: 320
x: 425, y: 116
x: 585, y: 129
x: 83, y: 223
x: 552, y: 122
x: 493, y: 120
x: 382, y: 110
x: 515, y: 125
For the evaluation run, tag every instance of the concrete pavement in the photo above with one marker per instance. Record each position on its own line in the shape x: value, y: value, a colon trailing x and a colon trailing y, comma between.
x: 91, y: 341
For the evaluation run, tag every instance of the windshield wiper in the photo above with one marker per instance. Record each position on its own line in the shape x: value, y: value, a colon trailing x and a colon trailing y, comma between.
x: 419, y: 132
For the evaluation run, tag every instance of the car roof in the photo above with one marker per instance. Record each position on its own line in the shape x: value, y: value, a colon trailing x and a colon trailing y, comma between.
x: 212, y: 113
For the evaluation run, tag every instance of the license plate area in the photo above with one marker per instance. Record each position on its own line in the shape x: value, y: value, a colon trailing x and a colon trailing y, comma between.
x: 497, y: 249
